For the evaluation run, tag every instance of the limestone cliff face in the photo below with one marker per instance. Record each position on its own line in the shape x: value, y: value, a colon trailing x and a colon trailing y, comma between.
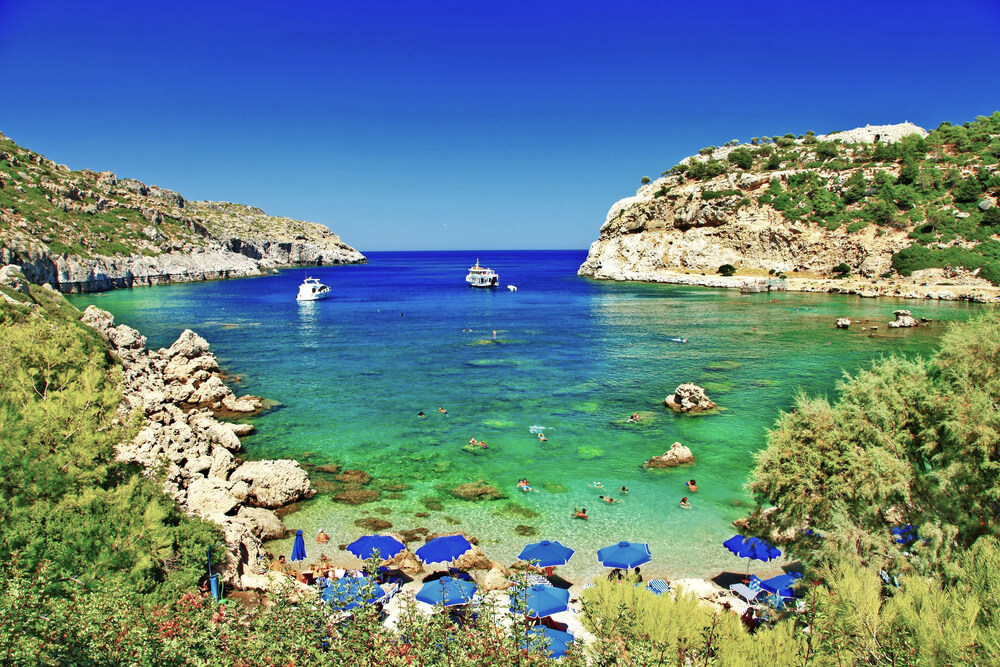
x: 676, y: 225
x: 647, y: 237
x: 84, y: 231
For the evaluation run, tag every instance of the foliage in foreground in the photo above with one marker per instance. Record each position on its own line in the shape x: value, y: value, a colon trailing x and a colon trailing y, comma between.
x: 63, y: 499
x: 909, y: 442
x: 852, y: 618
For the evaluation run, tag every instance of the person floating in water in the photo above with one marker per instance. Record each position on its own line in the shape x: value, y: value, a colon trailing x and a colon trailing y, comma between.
x: 494, y: 334
x: 472, y: 442
x: 442, y: 411
x: 581, y: 513
x: 634, y: 419
x: 692, y: 486
x: 597, y: 485
x: 524, y: 486
x: 482, y: 443
x: 623, y: 490
x: 421, y: 414
x: 685, y: 504
x: 609, y: 499
x: 542, y: 438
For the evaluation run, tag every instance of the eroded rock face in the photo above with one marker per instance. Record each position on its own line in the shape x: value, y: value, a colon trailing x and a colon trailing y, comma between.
x: 689, y: 398
x: 677, y: 455
x: 903, y: 319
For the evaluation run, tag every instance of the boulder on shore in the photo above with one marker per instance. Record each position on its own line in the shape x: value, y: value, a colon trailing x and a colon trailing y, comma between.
x: 903, y: 319
x: 689, y: 398
x: 677, y: 455
x: 273, y: 483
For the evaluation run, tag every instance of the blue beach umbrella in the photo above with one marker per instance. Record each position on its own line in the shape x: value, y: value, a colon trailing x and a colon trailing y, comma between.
x: 299, y: 547
x: 625, y: 555
x: 365, y: 547
x: 540, y: 600
x: 752, y: 548
x: 556, y: 640
x: 443, y: 549
x: 546, y: 553
x: 447, y: 591
x: 350, y: 592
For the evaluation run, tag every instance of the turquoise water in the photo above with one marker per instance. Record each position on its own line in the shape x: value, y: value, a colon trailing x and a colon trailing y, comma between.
x: 576, y: 357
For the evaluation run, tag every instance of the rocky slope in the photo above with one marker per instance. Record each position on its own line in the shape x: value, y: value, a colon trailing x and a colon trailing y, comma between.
x: 809, y: 207
x: 177, y: 394
x: 84, y: 231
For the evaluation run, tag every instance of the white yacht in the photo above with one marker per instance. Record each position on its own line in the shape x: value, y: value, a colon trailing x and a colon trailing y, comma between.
x: 480, y: 276
x: 312, y: 289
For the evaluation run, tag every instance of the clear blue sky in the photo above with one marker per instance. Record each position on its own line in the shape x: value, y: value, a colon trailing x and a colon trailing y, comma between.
x: 466, y: 124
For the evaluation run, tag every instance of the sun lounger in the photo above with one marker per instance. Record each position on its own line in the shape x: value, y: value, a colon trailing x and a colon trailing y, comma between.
x: 658, y: 586
x: 744, y: 592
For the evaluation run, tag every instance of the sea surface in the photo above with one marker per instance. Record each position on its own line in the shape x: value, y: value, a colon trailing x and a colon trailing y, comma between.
x: 571, y: 357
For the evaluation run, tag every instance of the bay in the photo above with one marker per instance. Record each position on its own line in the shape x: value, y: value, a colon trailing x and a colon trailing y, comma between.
x: 571, y: 357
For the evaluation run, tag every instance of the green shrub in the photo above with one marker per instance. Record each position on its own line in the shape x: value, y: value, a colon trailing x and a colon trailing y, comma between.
x: 842, y: 269
x: 718, y: 194
x: 742, y: 158
x: 645, y: 180
x: 726, y: 270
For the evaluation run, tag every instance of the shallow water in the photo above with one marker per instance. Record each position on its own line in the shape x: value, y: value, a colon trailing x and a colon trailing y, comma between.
x: 573, y: 356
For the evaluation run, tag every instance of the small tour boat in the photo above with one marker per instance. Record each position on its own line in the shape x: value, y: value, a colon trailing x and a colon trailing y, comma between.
x: 312, y: 289
x: 480, y: 276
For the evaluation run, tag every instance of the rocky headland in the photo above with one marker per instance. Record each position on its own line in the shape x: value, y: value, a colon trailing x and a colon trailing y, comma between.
x: 177, y: 395
x: 829, y: 213
x: 86, y: 231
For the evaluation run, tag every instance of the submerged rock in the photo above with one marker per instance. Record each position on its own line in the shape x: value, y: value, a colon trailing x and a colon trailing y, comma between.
x: 689, y: 398
x: 677, y: 455
x: 478, y: 490
x: 357, y: 496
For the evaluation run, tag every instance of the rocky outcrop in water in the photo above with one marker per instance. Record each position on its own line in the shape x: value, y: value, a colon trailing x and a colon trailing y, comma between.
x: 677, y: 455
x: 181, y: 435
x: 689, y: 398
x: 903, y: 320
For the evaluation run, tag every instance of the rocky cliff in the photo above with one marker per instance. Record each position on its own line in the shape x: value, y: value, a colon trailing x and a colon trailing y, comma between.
x: 853, y: 202
x: 84, y: 231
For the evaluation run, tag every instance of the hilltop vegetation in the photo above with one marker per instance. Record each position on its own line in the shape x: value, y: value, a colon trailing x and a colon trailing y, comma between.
x: 942, y: 189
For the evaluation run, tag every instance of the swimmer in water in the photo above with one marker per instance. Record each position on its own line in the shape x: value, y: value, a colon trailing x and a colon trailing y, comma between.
x: 623, y: 490
x: 442, y: 411
x: 542, y: 438
x: 472, y: 441
x: 597, y: 485
x: 482, y: 443
x: 421, y: 414
x: 609, y: 499
x: 692, y: 487
x: 581, y: 513
x: 524, y: 486
x: 685, y: 504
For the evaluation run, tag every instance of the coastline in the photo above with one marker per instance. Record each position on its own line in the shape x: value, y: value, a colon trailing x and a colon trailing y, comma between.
x: 925, y: 284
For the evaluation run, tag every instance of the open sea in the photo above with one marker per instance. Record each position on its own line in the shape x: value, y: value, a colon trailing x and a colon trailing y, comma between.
x: 572, y: 357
